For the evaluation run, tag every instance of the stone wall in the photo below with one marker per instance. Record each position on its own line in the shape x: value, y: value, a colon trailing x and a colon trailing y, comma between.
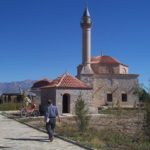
x: 109, y: 68
x: 74, y: 93
x: 57, y: 96
x: 37, y: 98
x: 116, y: 85
x: 47, y: 93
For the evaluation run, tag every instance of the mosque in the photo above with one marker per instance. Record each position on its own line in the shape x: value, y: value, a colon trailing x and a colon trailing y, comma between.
x: 102, y: 81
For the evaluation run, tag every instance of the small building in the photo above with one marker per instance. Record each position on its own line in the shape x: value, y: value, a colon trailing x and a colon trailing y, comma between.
x: 64, y: 91
x: 36, y: 88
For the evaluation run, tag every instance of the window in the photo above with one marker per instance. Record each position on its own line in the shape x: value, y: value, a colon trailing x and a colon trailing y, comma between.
x: 124, y: 97
x: 109, y: 97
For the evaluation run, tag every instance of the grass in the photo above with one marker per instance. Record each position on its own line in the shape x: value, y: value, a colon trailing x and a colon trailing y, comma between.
x: 9, y: 106
x: 124, y: 111
x: 106, y: 138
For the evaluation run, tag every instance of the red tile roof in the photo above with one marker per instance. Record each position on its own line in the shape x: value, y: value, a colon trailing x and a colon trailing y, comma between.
x: 105, y: 60
x: 41, y: 83
x: 67, y: 81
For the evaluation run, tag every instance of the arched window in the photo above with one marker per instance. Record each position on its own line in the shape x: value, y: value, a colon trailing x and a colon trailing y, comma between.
x: 66, y: 103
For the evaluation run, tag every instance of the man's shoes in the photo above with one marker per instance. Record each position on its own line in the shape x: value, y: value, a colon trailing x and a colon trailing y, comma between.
x: 51, y: 139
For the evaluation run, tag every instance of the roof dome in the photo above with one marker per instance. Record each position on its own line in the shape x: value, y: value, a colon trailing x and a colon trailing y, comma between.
x: 107, y: 65
x: 105, y: 60
x: 41, y: 83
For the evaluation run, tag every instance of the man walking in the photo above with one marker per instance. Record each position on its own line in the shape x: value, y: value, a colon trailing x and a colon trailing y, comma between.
x: 51, y: 114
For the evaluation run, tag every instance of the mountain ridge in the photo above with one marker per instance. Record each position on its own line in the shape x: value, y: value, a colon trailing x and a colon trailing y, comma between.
x: 15, y: 86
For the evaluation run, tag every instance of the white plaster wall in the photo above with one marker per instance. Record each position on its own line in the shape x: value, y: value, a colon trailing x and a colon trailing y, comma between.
x: 123, y: 69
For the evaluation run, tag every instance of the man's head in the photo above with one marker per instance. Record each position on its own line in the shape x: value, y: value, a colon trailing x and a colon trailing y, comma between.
x: 49, y: 101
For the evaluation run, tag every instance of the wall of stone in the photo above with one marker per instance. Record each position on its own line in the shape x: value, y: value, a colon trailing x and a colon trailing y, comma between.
x: 105, y: 69
x: 109, y: 68
x: 37, y: 99
x: 88, y: 79
x: 57, y: 96
x: 115, y: 84
x: 74, y: 93
x: 47, y: 93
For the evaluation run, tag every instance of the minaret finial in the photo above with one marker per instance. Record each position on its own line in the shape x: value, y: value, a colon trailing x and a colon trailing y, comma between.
x: 86, y: 4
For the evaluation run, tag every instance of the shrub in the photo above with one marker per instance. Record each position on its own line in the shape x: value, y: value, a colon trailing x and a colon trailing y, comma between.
x: 82, y: 114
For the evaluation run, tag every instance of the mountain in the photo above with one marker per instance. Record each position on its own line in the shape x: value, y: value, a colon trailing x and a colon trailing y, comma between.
x: 14, y: 87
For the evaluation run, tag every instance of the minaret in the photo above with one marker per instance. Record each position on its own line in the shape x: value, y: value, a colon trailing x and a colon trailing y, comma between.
x: 86, y: 25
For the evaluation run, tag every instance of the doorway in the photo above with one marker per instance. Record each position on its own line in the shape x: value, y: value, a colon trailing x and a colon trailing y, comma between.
x: 66, y: 103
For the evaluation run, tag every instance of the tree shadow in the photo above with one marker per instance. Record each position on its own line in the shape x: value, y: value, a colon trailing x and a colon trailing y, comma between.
x: 28, y: 139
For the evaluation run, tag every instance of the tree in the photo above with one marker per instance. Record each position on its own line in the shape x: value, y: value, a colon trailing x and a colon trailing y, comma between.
x: 144, y: 97
x: 142, y: 94
x: 82, y: 114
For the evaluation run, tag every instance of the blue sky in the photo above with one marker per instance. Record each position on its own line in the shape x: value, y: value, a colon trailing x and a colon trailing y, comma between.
x: 42, y: 38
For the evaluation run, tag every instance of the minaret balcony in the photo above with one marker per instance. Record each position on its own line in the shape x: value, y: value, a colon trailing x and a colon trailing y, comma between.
x: 86, y: 25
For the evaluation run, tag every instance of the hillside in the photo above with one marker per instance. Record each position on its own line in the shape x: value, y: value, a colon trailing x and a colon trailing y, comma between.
x: 13, y: 87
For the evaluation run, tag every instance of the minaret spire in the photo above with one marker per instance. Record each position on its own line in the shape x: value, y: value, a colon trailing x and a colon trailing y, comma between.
x: 86, y: 12
x: 86, y: 25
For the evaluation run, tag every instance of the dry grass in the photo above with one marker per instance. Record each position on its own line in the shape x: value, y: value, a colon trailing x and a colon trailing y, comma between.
x: 9, y: 106
x: 110, y: 132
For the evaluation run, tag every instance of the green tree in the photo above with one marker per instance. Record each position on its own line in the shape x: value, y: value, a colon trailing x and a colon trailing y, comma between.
x: 82, y: 114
